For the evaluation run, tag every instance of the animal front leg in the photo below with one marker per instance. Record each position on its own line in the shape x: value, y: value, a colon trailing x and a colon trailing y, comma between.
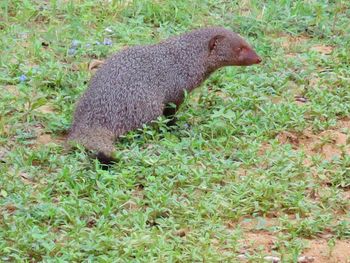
x: 169, y: 112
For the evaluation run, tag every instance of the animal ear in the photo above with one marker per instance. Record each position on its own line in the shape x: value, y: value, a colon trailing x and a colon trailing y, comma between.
x: 214, y: 41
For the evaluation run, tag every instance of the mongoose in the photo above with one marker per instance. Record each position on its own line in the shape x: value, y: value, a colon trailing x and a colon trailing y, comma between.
x: 135, y: 85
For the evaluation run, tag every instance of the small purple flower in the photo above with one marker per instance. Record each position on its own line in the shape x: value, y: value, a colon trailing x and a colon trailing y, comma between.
x: 71, y: 51
x: 75, y: 43
x: 187, y: 126
x: 107, y: 42
x: 22, y: 78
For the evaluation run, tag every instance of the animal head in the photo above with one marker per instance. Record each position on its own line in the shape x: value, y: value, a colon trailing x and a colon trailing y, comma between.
x: 227, y: 48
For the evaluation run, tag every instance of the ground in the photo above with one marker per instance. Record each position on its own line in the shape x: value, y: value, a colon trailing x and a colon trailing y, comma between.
x: 257, y: 170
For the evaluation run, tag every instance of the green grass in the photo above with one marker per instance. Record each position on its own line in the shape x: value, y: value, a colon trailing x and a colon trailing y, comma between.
x: 173, y: 193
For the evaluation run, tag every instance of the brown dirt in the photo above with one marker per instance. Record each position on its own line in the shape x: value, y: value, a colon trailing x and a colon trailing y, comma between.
x: 44, y: 139
x: 138, y: 193
x: 323, y: 49
x: 264, y: 148
x: 3, y: 152
x: 346, y: 195
x: 289, y: 41
x: 12, y: 89
x: 317, y: 251
x: 245, y: 8
x: 320, y: 250
x: 6, y: 129
x: 329, y: 143
x: 222, y: 94
x: 253, y: 237
x: 46, y: 109
x: 276, y: 99
x: 74, y: 67
x: 261, y: 241
x: 314, y: 80
x: 344, y: 124
x: 293, y: 90
x: 10, y: 208
x: 183, y: 232
x: 241, y: 171
x: 252, y: 224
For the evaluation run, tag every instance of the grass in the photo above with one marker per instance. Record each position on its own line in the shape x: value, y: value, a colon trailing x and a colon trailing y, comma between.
x: 180, y: 195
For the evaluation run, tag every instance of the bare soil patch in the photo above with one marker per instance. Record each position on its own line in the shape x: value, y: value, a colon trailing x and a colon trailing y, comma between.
x: 288, y: 41
x: 12, y: 89
x: 314, y: 80
x: 346, y: 195
x: 317, y: 250
x: 329, y: 143
x: 44, y: 139
x: 254, y: 237
x: 323, y: 49
x: 322, y: 253
x: 46, y: 109
x: 291, y: 43
x: 264, y: 148
x: 183, y: 232
x: 254, y: 224
x: 259, y: 241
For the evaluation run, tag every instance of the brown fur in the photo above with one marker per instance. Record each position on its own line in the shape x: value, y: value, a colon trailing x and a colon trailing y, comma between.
x: 136, y: 85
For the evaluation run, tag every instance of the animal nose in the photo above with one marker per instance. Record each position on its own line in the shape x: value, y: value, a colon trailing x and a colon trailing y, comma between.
x: 258, y: 60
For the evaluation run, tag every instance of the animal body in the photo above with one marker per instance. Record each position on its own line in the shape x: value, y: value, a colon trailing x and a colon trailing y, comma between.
x: 136, y: 85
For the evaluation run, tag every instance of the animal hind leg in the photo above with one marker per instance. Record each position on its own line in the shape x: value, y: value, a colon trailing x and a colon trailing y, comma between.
x: 99, y: 140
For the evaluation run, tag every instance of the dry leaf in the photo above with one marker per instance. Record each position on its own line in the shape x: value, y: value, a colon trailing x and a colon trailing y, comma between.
x: 95, y: 64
